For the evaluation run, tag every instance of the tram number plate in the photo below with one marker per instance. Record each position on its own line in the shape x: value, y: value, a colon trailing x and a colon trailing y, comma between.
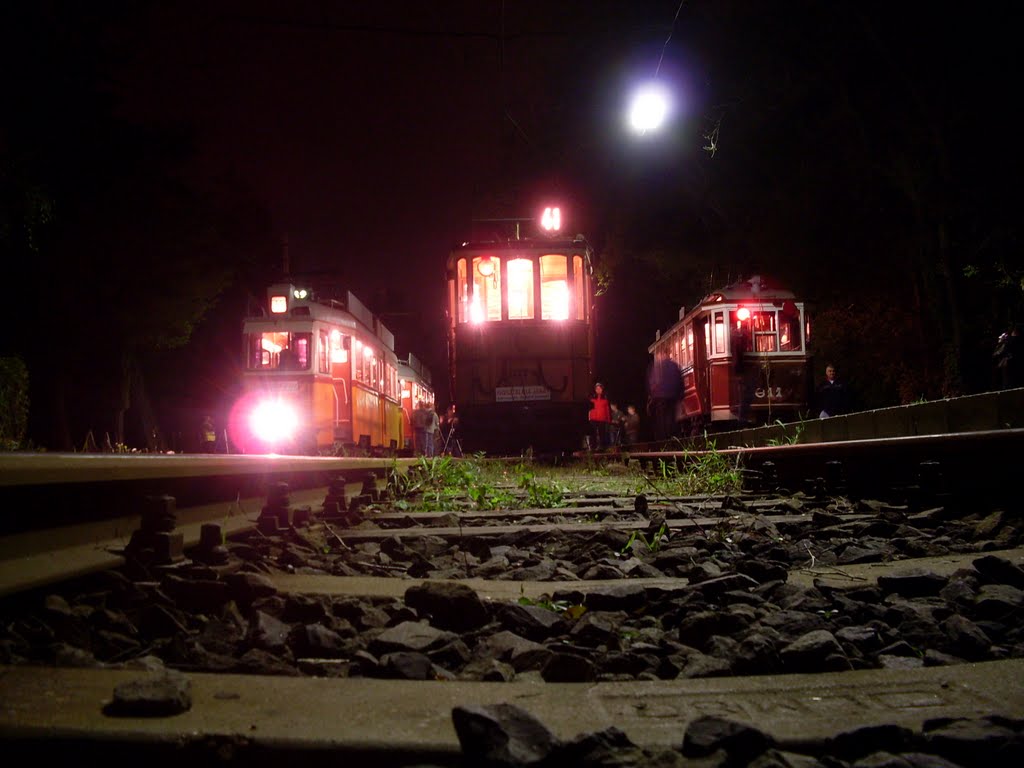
x: 772, y: 393
x: 516, y: 394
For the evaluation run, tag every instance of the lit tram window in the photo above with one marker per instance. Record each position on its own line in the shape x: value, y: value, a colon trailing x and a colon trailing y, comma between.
x: 554, y: 287
x: 476, y: 312
x: 520, y: 289
x: 278, y: 304
x: 338, y: 352
x: 485, y: 303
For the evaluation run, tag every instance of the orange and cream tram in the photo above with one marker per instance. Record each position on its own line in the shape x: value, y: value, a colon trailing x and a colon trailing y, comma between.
x: 520, y: 339
x: 743, y: 356
x: 320, y: 376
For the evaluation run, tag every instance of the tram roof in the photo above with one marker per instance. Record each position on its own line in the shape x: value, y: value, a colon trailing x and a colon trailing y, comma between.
x: 757, y: 288
x: 558, y: 244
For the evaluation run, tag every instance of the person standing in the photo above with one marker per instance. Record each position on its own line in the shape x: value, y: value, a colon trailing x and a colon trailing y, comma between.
x: 430, y: 425
x: 600, y: 417
x: 631, y: 425
x: 207, y: 436
x: 419, y: 427
x: 615, y: 426
x: 664, y: 386
x: 1008, y: 359
x: 831, y: 394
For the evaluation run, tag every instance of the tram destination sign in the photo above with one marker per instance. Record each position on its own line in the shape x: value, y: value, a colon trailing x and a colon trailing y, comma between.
x: 518, y: 394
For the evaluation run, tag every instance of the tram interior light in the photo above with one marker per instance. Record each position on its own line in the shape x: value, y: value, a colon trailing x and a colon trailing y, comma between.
x: 485, y: 267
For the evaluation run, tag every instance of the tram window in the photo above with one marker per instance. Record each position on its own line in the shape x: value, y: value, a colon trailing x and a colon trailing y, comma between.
x: 340, y: 344
x: 766, y: 337
x: 719, y: 333
x: 520, y: 289
x: 554, y: 287
x: 302, y: 348
x: 789, y: 331
x: 579, y: 288
x: 322, y: 351
x: 485, y: 303
x: 462, y: 291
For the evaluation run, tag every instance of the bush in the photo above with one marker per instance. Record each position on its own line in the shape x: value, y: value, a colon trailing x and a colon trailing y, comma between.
x: 13, y: 403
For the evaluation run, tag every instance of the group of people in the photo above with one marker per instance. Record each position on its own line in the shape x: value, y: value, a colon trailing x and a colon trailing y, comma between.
x: 431, y: 432
x: 609, y: 425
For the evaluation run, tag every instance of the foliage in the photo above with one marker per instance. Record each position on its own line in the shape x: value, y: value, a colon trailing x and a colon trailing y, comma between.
x: 14, y: 402
x: 444, y: 483
x: 652, y: 546
x: 788, y: 439
x: 703, y: 472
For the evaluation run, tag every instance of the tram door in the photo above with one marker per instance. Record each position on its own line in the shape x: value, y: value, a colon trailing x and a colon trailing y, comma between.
x: 701, y: 367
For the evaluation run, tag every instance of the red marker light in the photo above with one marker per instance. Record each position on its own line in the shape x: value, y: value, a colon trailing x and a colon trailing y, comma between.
x: 743, y: 313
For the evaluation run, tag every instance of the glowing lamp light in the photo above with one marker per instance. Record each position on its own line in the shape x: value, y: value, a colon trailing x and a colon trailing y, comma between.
x: 743, y: 313
x: 476, y: 312
x: 551, y: 219
x: 274, y: 421
x: 648, y: 109
x: 485, y: 267
x: 300, y: 293
x: 278, y: 304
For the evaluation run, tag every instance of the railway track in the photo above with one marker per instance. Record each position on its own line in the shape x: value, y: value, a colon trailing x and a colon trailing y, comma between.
x: 810, y: 610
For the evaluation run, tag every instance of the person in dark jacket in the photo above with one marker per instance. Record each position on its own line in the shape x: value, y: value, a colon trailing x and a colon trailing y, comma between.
x: 831, y: 394
x: 1008, y: 356
x: 664, y: 388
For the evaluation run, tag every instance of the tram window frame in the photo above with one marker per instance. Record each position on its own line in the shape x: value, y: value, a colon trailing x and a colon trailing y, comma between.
x: 579, y: 288
x: 323, y: 354
x: 764, y: 326
x: 554, y: 280
x: 719, y: 333
x: 462, y: 291
x: 526, y: 309
x: 486, y: 296
x: 794, y: 322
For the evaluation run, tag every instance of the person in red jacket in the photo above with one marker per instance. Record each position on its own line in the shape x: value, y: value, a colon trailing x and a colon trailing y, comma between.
x: 600, y: 418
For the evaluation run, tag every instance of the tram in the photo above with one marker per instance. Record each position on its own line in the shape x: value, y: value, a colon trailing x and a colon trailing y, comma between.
x: 322, y: 376
x: 742, y: 352
x: 520, y: 337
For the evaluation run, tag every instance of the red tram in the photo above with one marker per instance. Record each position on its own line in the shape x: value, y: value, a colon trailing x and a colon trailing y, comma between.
x: 743, y: 356
x: 520, y: 340
x: 322, y: 376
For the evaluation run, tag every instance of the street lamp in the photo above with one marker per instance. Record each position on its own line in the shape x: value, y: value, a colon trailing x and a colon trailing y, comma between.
x: 649, y: 108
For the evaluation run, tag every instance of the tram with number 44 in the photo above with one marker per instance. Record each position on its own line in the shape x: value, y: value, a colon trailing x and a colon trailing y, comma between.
x: 742, y: 353
x: 520, y: 336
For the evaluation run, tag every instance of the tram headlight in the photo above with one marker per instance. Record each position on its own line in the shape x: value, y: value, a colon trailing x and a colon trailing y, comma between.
x: 274, y: 421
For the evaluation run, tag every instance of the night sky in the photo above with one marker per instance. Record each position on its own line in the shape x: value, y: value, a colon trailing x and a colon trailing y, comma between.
x: 810, y: 141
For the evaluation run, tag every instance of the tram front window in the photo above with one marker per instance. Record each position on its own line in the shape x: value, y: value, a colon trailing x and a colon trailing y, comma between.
x: 279, y: 351
x: 485, y: 300
x: 554, y: 288
x: 520, y: 289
